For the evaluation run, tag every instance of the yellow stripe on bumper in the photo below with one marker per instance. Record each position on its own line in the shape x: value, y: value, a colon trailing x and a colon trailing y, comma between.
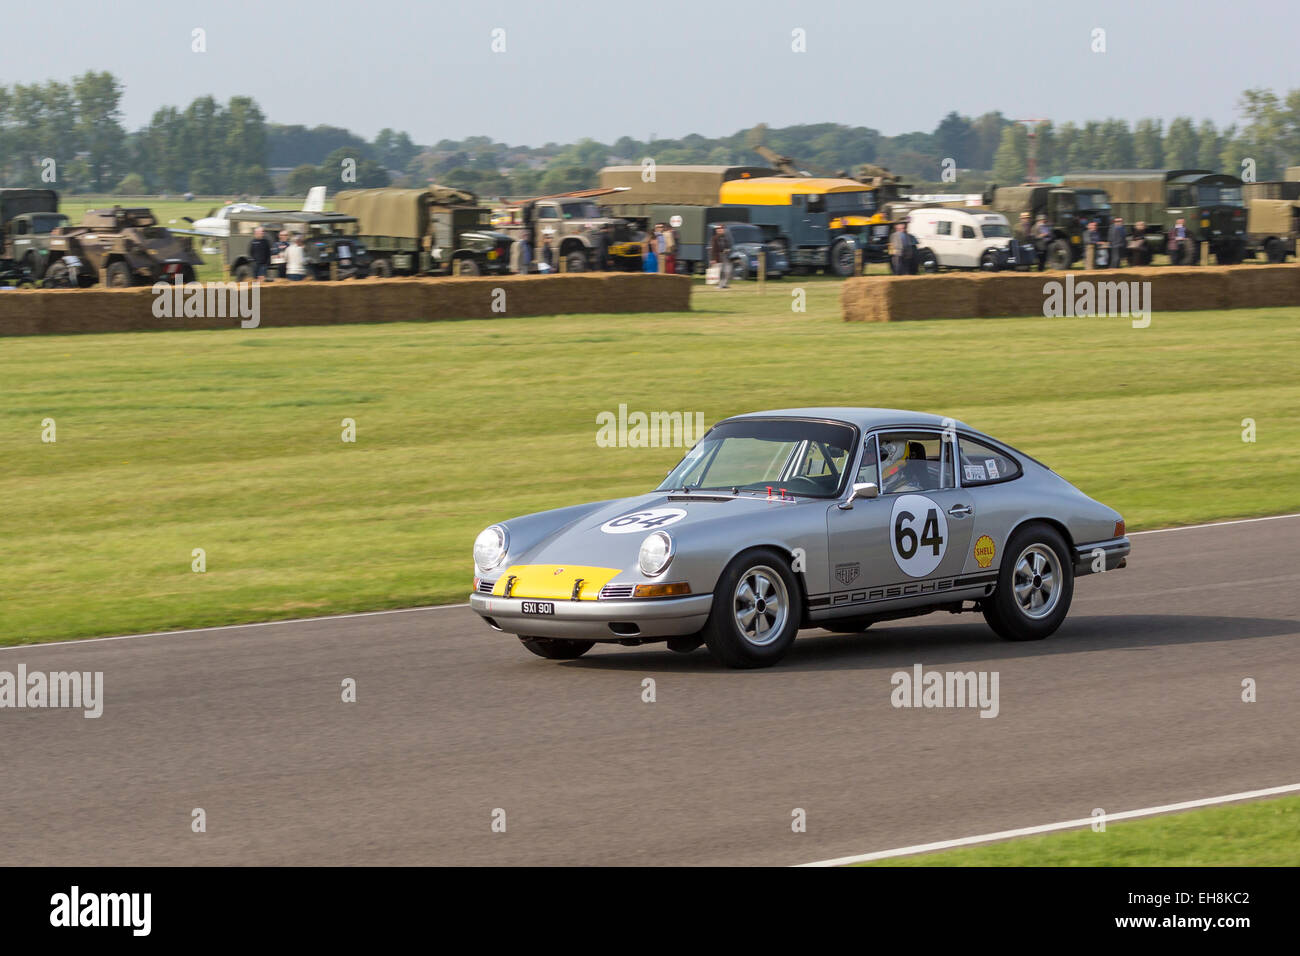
x: 554, y: 581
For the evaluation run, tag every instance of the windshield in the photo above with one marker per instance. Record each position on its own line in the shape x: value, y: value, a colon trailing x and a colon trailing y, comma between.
x: 333, y: 229
x: 1092, y: 201
x: 994, y: 230
x: 746, y: 234
x: 48, y: 223
x: 863, y: 203
x: 1218, y: 196
x: 580, y: 210
x: 804, y: 457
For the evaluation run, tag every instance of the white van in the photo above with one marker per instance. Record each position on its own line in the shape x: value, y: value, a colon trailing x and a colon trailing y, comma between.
x: 960, y: 238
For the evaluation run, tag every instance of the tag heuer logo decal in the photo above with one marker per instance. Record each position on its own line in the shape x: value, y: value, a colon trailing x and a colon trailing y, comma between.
x: 846, y: 574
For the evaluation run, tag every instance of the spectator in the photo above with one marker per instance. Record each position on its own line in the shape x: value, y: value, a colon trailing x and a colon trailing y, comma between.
x: 1180, y: 245
x: 295, y: 260
x: 1092, y: 237
x: 670, y: 250
x: 525, y: 245
x: 599, y: 246
x: 1139, y: 254
x: 720, y: 255
x: 1118, y: 242
x: 1042, y: 241
x: 546, y: 255
x: 650, y: 257
x: 259, y: 250
x: 900, y: 246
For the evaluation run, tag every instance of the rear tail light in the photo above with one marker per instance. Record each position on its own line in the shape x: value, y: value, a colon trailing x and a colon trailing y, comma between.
x: 1119, y: 528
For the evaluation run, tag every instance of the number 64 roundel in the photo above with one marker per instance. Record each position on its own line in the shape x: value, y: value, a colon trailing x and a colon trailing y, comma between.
x: 918, y: 535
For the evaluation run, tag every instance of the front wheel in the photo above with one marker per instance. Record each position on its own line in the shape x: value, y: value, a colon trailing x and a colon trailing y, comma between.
x: 119, y: 275
x: 756, y: 612
x: 556, y: 648
x: 1275, y: 251
x: 843, y: 259
x: 1059, y: 255
x: 991, y: 261
x: 1035, y: 585
x: 467, y: 267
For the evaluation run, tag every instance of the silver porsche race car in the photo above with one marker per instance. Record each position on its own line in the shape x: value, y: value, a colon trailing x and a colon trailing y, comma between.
x: 813, y: 517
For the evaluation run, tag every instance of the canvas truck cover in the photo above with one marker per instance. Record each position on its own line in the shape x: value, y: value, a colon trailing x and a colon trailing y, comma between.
x: 397, y: 212
x: 675, y: 185
x: 1271, y: 190
x: 16, y: 202
x: 1273, y: 217
x: 1292, y: 174
x: 1123, y: 185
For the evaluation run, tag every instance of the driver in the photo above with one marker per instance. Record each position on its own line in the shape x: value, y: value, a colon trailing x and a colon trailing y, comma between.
x: 894, y: 474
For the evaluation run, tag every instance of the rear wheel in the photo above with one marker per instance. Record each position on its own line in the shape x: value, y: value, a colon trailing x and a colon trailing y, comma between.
x: 467, y: 267
x: 119, y: 275
x: 755, y: 614
x: 1275, y: 251
x: 1058, y: 255
x: 58, y: 276
x: 556, y: 648
x: 243, y: 272
x: 381, y: 268
x: 1035, y: 585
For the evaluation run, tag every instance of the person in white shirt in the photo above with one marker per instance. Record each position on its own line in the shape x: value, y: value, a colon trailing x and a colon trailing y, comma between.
x: 295, y: 261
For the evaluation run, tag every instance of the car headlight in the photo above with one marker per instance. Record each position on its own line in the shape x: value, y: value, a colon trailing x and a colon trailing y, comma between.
x: 490, y: 547
x: 656, y: 553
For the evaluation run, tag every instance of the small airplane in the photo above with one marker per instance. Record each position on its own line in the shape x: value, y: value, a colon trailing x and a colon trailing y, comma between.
x: 216, y: 224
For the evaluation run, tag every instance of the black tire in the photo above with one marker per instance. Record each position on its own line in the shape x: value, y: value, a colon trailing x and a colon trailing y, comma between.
x: 187, y: 274
x: 1275, y: 251
x: 1026, y: 550
x: 58, y: 276
x: 556, y: 648
x: 32, y: 263
x: 842, y: 259
x: 119, y: 275
x: 848, y: 625
x: 381, y: 268
x: 243, y: 272
x: 739, y: 270
x: 1059, y: 255
x: 927, y: 262
x: 575, y: 261
x: 466, y: 266
x: 991, y: 261
x: 722, y: 632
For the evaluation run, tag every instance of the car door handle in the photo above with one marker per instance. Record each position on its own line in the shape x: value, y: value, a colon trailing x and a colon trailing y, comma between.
x: 960, y: 511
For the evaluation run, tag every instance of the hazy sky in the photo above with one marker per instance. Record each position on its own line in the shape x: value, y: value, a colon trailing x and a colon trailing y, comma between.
x: 606, y: 69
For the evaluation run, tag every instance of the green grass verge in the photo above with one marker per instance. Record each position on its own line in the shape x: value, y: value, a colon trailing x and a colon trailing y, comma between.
x: 1264, y: 833
x: 230, y: 441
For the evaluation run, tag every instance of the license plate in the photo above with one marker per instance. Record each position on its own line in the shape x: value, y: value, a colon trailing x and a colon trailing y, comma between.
x: 538, y: 607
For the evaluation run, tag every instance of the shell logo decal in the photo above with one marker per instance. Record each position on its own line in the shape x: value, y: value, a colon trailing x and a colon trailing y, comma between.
x: 985, y: 551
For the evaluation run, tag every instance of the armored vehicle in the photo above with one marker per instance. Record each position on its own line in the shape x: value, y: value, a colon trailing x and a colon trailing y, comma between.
x: 28, y: 217
x: 126, y: 244
x: 436, y: 230
x: 331, y: 244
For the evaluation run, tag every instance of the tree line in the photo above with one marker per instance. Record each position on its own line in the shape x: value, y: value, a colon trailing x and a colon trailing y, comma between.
x: 71, y: 136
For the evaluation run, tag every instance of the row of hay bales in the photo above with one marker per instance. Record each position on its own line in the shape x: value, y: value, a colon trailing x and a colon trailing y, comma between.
x: 46, y: 312
x: 979, y: 295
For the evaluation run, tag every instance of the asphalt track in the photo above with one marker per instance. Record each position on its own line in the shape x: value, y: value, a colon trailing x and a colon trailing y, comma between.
x: 1135, y: 702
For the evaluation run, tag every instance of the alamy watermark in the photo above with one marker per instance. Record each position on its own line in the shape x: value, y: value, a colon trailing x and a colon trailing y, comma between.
x: 57, y: 689
x: 921, y: 688
x: 1088, y: 297
x: 205, y: 300
x: 626, y: 429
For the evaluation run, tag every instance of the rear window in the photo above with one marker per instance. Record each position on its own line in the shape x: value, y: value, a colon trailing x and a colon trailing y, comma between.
x: 982, y: 464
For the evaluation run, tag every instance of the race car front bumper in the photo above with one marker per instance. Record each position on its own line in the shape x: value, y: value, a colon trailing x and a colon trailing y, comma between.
x: 608, y: 620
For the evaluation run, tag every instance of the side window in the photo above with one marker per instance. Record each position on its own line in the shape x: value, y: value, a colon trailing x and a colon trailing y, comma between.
x: 914, y: 461
x: 548, y: 212
x: 816, y: 203
x: 967, y: 232
x: 943, y: 228
x: 981, y: 464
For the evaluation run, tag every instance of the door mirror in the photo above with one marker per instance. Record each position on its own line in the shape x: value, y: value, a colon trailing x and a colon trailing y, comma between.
x: 861, y: 489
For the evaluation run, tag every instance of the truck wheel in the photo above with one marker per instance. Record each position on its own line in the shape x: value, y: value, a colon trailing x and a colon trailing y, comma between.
x: 842, y: 259
x: 381, y: 268
x: 187, y: 274
x: 739, y: 270
x: 1035, y: 585
x: 243, y: 272
x: 755, y: 614
x: 1058, y: 255
x: 927, y: 262
x: 576, y: 261
x: 467, y: 267
x: 58, y: 276
x: 1275, y: 251
x: 32, y: 263
x: 991, y: 261
x: 556, y: 648
x: 119, y: 275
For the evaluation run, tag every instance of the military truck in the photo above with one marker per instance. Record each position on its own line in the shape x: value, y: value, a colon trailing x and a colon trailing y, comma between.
x: 28, y: 217
x: 1060, y: 206
x: 1272, y: 218
x: 1210, y: 205
x: 572, y: 220
x: 126, y: 244
x: 331, y: 246
x: 437, y: 230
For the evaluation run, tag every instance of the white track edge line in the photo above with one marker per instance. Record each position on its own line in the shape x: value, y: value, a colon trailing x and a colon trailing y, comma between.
x: 1053, y: 827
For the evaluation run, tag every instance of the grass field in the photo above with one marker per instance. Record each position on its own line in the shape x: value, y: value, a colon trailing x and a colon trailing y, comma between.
x: 230, y: 441
x: 1264, y: 833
